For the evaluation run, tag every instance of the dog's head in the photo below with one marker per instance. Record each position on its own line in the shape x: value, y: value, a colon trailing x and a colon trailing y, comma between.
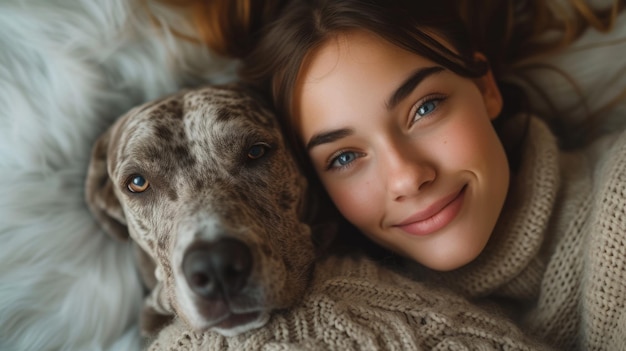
x: 204, y: 184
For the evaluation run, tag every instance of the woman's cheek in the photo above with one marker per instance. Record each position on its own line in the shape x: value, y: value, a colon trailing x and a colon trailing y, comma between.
x: 355, y: 199
x: 468, y: 140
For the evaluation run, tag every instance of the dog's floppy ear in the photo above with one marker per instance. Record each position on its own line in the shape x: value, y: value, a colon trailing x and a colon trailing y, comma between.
x: 99, y: 192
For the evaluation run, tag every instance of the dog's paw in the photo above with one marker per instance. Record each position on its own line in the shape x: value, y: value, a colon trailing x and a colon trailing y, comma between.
x: 151, y: 321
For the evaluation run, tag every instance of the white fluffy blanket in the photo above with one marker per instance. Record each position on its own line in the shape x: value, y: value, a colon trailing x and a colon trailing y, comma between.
x: 68, y: 68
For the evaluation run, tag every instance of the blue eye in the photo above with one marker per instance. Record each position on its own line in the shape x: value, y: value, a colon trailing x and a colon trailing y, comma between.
x: 257, y: 151
x: 427, y: 107
x: 137, y: 184
x: 343, y: 159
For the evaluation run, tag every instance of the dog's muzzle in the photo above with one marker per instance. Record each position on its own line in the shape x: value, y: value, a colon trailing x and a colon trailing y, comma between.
x: 217, y: 273
x: 219, y: 269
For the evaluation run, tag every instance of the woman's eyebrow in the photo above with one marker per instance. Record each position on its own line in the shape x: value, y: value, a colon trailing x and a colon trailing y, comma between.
x: 410, y: 84
x: 328, y: 137
x: 398, y: 95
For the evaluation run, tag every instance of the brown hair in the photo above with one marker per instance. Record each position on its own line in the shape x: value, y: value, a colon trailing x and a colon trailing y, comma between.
x: 228, y: 27
x: 273, y: 36
x: 506, y: 31
x: 511, y: 31
x: 275, y: 61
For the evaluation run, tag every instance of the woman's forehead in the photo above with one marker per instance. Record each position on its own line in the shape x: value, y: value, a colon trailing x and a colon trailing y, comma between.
x: 352, y: 74
x: 350, y: 48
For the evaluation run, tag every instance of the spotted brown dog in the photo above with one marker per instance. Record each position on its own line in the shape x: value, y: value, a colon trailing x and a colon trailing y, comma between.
x: 204, y: 185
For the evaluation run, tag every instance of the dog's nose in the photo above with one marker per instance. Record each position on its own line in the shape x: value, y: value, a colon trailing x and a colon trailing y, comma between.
x: 219, y: 267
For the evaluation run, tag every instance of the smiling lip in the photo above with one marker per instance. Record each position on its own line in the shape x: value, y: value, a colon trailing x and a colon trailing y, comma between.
x: 435, y: 217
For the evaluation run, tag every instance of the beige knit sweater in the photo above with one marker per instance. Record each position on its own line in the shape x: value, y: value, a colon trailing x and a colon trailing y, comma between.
x: 560, y: 246
x: 354, y: 304
x: 558, y: 253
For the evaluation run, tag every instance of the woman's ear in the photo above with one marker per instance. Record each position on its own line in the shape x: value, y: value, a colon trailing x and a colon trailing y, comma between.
x: 490, y: 91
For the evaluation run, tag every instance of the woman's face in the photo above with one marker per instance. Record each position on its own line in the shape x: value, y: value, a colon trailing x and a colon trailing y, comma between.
x: 404, y: 147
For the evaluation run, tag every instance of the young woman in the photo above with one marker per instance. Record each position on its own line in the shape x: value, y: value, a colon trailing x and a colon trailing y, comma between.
x: 400, y: 109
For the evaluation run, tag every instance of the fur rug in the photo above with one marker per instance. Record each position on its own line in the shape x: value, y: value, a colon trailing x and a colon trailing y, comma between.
x: 68, y: 68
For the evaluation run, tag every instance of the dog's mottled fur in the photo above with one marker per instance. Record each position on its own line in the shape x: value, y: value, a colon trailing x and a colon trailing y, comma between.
x: 193, y: 149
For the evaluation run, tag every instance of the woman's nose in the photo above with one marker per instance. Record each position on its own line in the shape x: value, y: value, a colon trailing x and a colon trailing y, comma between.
x: 407, y: 171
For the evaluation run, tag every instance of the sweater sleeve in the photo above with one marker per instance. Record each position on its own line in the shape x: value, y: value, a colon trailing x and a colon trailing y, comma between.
x: 355, y: 304
x: 603, y: 291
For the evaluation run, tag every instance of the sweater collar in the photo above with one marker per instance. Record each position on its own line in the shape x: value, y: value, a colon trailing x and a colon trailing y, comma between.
x: 521, y: 228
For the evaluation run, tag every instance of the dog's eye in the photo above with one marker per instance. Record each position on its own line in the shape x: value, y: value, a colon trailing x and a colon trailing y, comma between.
x: 258, y: 150
x: 138, y: 184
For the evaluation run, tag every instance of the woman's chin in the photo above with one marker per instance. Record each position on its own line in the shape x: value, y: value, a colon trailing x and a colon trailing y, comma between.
x: 449, y: 260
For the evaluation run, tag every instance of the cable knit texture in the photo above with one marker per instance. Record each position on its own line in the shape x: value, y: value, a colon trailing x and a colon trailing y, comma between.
x: 355, y: 304
x: 559, y: 250
x: 560, y: 245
